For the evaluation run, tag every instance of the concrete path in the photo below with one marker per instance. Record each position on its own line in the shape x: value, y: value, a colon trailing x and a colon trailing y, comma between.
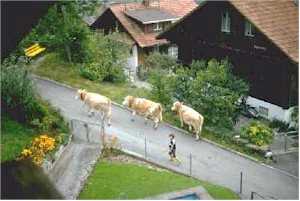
x: 209, y: 162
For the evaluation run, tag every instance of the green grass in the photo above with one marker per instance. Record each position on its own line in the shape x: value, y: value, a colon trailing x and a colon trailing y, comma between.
x: 115, y: 180
x: 14, y: 137
x: 55, y: 69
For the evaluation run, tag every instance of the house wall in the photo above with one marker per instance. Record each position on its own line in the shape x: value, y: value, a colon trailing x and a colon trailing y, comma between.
x: 256, y: 59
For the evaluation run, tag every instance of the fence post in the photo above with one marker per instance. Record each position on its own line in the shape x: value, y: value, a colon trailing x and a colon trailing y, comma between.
x: 87, y: 131
x: 252, y: 195
x: 190, y: 164
x: 241, y: 183
x: 285, y: 142
x: 72, y: 126
x: 145, y: 147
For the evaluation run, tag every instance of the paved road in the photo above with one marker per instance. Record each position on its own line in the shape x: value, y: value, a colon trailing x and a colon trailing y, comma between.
x: 209, y: 162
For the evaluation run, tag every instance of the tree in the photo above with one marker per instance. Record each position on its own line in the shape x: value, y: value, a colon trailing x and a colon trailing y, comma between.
x: 63, y: 30
x: 216, y: 92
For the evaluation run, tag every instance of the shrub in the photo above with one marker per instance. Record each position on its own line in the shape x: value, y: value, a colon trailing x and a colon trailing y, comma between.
x: 18, y: 98
x: 295, y: 117
x: 161, y: 87
x: 213, y: 91
x: 109, y: 58
x: 257, y: 133
x: 281, y: 125
x: 157, y: 61
x: 40, y: 146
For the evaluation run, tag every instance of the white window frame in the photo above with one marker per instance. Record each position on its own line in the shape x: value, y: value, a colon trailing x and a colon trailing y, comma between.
x: 248, y: 29
x: 157, y: 27
x: 225, y: 22
x: 173, y: 51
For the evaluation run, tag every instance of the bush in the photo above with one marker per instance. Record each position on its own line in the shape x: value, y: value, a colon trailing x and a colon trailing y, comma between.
x: 257, y: 133
x: 109, y: 58
x: 295, y: 118
x: 18, y: 98
x: 281, y: 125
x: 157, y: 61
x: 161, y: 88
x: 211, y: 89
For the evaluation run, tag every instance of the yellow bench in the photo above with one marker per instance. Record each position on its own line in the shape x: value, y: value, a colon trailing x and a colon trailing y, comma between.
x: 34, y: 50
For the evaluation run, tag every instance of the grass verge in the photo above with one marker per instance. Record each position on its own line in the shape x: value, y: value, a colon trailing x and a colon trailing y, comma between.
x: 15, y: 137
x: 116, y: 180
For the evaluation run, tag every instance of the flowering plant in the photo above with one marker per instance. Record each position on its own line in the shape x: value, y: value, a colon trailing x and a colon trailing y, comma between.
x: 257, y: 133
x: 38, y: 149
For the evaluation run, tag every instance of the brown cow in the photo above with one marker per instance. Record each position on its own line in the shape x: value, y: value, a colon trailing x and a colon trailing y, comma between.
x: 96, y: 102
x: 190, y: 117
x: 144, y: 107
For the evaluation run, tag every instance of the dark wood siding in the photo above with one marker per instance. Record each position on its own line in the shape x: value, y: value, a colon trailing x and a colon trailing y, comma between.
x: 255, y: 59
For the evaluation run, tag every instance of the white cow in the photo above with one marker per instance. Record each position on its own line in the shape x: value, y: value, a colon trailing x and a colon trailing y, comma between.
x: 144, y: 107
x: 96, y: 102
x: 189, y: 116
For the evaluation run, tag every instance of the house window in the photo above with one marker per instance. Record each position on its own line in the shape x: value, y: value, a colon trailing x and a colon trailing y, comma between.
x: 263, y: 111
x: 173, y: 51
x: 157, y: 27
x: 225, y: 26
x: 249, y: 29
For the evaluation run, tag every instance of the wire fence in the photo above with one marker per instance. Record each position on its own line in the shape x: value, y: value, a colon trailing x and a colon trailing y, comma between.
x: 156, y: 152
x: 285, y: 142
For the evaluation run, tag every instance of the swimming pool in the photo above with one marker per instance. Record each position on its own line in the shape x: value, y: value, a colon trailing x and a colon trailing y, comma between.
x: 192, y: 196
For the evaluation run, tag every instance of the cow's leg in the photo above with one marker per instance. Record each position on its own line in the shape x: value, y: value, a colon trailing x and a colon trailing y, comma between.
x: 133, y: 114
x: 90, y: 112
x: 190, y: 127
x: 156, y: 120
x: 146, y: 121
x: 181, y: 121
x: 108, y: 116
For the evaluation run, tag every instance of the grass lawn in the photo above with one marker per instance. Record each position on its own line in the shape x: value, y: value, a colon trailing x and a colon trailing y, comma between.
x: 15, y: 137
x: 52, y: 67
x: 55, y: 69
x: 116, y: 180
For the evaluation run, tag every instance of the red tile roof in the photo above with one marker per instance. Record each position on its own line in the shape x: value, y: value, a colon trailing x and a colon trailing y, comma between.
x: 176, y: 7
x: 277, y: 19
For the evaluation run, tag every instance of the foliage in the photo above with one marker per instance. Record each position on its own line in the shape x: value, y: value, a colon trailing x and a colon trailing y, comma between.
x: 208, y: 87
x: 115, y: 180
x: 18, y: 98
x: 257, y: 133
x: 280, y: 125
x: 40, y: 146
x: 157, y: 61
x: 111, y: 145
x: 63, y: 30
x: 14, y: 137
x: 295, y: 117
x: 109, y: 57
x: 161, y: 87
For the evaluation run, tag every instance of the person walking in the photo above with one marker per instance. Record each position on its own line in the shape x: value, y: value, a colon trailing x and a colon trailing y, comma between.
x: 172, y: 147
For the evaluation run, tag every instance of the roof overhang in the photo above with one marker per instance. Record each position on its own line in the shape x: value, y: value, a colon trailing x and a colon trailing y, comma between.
x: 150, y: 16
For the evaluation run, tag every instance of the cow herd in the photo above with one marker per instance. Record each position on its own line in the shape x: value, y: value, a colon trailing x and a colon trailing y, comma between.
x: 141, y: 106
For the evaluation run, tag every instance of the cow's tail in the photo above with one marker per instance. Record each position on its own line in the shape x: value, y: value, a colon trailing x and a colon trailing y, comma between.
x: 160, y: 110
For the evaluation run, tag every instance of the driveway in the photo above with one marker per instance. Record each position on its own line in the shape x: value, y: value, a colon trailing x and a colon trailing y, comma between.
x: 209, y: 162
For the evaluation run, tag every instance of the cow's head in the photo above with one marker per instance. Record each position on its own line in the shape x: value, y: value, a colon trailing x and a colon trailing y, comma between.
x: 81, y: 93
x: 128, y: 101
x: 176, y: 106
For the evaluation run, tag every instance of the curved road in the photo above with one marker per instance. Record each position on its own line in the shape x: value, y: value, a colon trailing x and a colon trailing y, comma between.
x: 209, y: 162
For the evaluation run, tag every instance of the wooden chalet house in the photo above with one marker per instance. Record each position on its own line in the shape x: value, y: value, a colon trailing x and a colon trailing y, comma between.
x: 260, y: 38
x: 140, y: 23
